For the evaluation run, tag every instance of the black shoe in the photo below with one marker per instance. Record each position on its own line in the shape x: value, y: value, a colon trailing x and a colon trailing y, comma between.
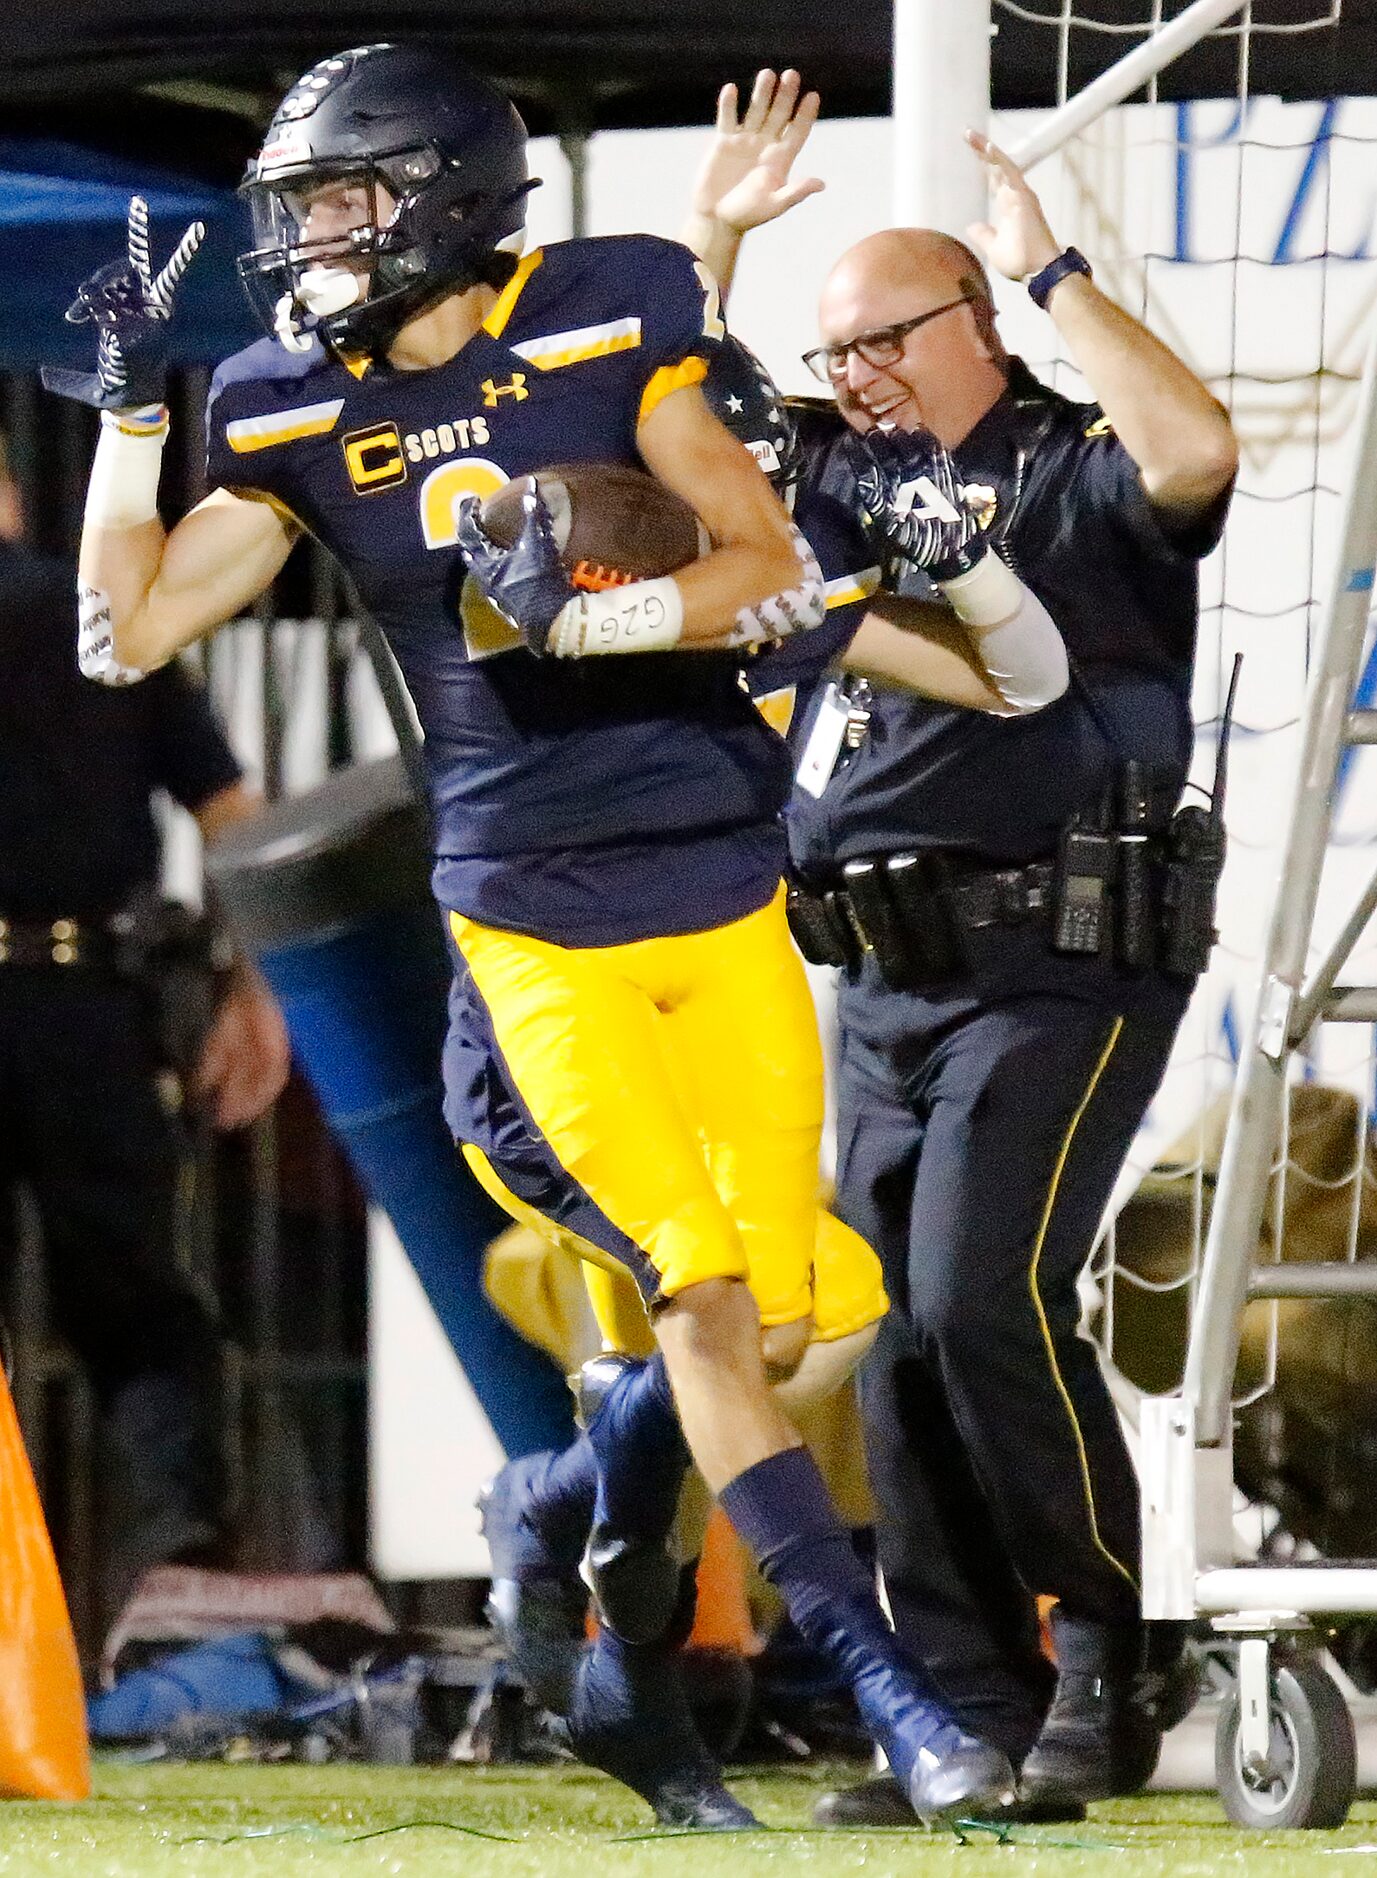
x: 1101, y: 1739
x: 880, y: 1801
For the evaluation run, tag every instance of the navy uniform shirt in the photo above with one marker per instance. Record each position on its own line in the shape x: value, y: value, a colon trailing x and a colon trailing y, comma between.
x: 588, y: 803
x: 81, y: 762
x: 1068, y: 511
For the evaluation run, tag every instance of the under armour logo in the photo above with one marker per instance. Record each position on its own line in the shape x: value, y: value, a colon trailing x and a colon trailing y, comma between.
x: 492, y: 391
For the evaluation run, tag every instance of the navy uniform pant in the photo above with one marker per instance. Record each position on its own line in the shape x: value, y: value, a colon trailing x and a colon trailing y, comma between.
x: 82, y: 1126
x: 978, y: 1142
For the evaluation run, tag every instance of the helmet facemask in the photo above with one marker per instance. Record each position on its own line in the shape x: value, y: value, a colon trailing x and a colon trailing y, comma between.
x: 405, y: 232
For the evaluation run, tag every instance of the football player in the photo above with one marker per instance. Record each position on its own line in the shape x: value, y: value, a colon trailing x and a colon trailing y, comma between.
x: 539, y: 1511
x: 609, y: 852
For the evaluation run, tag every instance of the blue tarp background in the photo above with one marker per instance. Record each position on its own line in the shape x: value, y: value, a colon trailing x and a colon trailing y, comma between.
x: 62, y: 215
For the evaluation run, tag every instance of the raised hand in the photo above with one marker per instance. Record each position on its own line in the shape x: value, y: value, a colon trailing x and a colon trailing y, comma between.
x: 744, y: 178
x: 131, y: 309
x: 1016, y: 241
x: 913, y: 506
x: 526, y: 582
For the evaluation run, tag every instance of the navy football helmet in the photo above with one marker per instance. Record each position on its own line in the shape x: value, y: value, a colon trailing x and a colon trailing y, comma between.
x: 742, y: 394
x: 390, y: 177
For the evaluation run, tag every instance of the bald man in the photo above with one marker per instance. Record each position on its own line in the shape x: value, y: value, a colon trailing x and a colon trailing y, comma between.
x: 1011, y: 1015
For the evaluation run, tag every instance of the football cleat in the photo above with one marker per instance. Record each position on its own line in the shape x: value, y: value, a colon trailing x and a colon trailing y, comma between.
x: 537, y: 1602
x: 630, y: 1718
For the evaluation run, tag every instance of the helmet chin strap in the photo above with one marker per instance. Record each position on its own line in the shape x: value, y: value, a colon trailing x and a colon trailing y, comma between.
x: 289, y: 328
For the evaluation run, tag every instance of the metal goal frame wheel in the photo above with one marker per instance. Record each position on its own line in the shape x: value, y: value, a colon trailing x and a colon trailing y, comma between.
x: 1311, y: 1772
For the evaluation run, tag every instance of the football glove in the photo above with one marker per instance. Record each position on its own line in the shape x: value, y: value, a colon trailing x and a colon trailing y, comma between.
x: 526, y: 582
x: 131, y: 309
x: 913, y: 508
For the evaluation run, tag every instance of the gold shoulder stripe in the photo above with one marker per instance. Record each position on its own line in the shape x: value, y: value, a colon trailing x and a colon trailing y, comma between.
x: 261, y: 433
x: 689, y: 371
x: 849, y: 588
x: 496, y: 322
x: 584, y: 342
x: 1100, y: 428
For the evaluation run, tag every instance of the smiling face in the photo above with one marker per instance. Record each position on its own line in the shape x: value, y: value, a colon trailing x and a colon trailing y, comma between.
x: 944, y: 373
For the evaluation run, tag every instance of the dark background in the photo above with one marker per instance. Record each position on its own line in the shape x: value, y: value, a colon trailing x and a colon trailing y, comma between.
x: 189, y: 84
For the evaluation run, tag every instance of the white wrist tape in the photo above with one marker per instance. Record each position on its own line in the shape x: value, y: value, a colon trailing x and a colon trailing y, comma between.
x: 986, y: 596
x: 1023, y: 653
x: 797, y: 610
x: 95, y: 647
x: 123, y: 490
x: 646, y: 616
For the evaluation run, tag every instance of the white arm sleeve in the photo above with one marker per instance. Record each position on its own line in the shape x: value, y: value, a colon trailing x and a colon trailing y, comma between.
x: 95, y: 649
x: 797, y: 610
x: 1013, y: 635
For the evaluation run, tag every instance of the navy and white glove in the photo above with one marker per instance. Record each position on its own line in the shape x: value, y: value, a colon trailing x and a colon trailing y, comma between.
x: 131, y: 309
x: 526, y: 582
x: 913, y: 508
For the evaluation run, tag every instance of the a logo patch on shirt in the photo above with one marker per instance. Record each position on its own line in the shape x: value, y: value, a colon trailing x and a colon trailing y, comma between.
x: 374, y: 458
x: 514, y: 388
x: 1100, y: 428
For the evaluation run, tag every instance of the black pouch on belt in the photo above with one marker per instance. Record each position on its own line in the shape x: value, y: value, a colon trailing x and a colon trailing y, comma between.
x: 820, y: 928
x: 904, y: 906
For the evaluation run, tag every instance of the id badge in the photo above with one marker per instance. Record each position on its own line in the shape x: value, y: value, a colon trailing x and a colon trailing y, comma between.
x: 825, y: 741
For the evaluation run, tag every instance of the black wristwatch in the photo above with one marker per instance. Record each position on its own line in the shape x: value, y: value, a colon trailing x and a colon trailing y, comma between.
x: 1069, y: 261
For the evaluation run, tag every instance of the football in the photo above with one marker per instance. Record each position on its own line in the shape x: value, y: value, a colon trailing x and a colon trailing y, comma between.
x: 613, y: 523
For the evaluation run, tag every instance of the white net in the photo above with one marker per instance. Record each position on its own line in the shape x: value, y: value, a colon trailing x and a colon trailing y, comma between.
x: 1240, y: 230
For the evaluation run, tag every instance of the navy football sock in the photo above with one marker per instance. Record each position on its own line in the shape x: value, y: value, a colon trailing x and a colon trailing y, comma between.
x: 783, y: 1512
x: 562, y: 1496
x: 641, y: 1456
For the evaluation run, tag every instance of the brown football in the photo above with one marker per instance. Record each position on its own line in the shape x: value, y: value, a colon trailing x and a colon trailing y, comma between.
x: 613, y: 523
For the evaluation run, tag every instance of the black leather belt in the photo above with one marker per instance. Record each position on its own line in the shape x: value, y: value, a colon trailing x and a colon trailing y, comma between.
x: 60, y: 942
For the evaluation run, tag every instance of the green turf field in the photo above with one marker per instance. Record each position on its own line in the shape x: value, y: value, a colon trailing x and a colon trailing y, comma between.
x: 277, y: 1822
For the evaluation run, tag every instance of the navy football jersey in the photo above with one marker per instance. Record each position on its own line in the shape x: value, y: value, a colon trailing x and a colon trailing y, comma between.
x: 559, y: 788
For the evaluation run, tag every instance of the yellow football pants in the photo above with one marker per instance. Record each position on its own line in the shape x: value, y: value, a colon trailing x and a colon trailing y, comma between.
x: 656, y: 1107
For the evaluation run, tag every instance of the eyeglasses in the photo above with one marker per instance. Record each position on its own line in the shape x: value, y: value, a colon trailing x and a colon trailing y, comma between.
x: 883, y: 346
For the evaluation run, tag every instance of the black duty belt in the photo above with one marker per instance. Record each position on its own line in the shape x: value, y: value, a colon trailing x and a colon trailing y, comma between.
x: 60, y: 942
x: 911, y: 912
